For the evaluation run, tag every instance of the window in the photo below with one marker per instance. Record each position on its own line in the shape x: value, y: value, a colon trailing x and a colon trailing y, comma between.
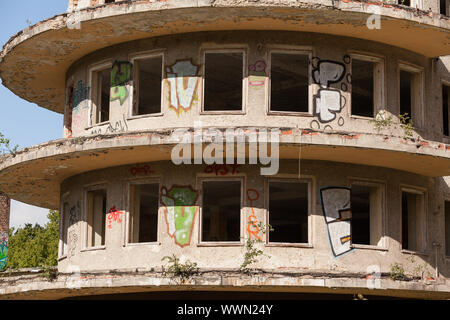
x: 143, y: 224
x: 288, y: 211
x: 148, y: 85
x: 405, y: 2
x: 100, y: 96
x: 447, y: 228
x: 68, y: 113
x: 410, y: 91
x: 413, y: 217
x: 367, y: 204
x: 443, y: 7
x: 289, y: 82
x: 223, y: 81
x: 64, y: 227
x: 362, y: 88
x: 445, y: 110
x: 96, y: 218
x: 221, y: 210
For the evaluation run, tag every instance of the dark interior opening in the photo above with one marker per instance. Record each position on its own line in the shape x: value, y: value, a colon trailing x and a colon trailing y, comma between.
x: 405, y: 93
x: 445, y: 109
x: 221, y: 211
x: 288, y: 212
x: 362, y: 88
x: 443, y: 7
x: 223, y: 81
x: 289, y: 82
x: 447, y: 228
x: 150, y: 77
x: 360, y: 200
x: 105, y: 89
x: 148, y: 211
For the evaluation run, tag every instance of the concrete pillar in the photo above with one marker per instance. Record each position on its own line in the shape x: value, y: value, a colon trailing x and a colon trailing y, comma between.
x: 5, y: 204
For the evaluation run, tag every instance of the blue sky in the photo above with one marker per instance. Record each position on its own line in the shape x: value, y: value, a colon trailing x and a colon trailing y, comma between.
x: 22, y: 122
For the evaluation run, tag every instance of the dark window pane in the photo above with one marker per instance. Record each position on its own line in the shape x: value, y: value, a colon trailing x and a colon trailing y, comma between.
x: 288, y: 212
x: 150, y: 76
x: 447, y: 228
x: 223, y: 81
x: 144, y: 213
x: 105, y: 83
x: 289, y: 82
x: 360, y: 202
x: 445, y: 109
x: 221, y: 211
x: 405, y: 92
x: 362, y: 88
x: 443, y: 7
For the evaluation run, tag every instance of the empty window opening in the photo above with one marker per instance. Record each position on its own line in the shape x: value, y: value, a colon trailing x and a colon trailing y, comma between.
x: 362, y: 88
x: 221, y: 211
x: 405, y: 2
x: 445, y: 110
x: 223, y: 81
x: 412, y: 225
x: 109, y: 1
x: 64, y: 227
x: 102, y: 86
x: 96, y: 217
x: 443, y: 7
x: 144, y: 213
x: 289, y: 82
x: 148, y: 90
x: 447, y: 228
x: 69, y: 112
x: 406, y: 85
x: 366, y: 215
x: 288, y: 212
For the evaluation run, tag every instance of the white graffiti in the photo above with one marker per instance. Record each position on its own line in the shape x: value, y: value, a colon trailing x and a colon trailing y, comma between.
x: 328, y: 103
x: 182, y: 77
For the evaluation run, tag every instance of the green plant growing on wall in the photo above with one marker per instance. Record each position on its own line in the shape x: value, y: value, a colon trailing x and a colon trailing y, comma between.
x: 177, y: 269
x: 397, y: 271
x: 382, y: 121
x: 419, y: 271
x: 252, y: 253
x: 406, y: 124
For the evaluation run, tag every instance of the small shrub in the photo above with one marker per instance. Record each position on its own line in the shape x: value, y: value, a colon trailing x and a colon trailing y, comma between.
x: 177, y: 269
x: 397, y: 271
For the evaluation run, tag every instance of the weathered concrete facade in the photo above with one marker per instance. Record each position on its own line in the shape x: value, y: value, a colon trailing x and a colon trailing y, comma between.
x: 110, y: 151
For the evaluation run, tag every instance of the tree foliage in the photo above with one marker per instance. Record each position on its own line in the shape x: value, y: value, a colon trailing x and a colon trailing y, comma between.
x: 34, y: 246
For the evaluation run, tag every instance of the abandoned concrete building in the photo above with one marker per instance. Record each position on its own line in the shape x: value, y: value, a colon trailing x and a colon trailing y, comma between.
x: 351, y: 98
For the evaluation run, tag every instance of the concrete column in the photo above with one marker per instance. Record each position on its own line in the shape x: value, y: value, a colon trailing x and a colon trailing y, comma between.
x: 5, y: 204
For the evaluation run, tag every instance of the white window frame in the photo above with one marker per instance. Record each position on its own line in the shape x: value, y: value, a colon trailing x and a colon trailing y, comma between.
x: 86, y: 189
x: 94, y: 91
x: 417, y: 99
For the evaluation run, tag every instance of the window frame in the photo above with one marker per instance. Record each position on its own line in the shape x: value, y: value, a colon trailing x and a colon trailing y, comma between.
x: 311, y: 202
x: 86, y: 189
x: 417, y: 98
x: 94, y: 93
x: 63, y: 247
x: 70, y: 84
x: 224, y: 49
x: 379, y: 82
x: 300, y: 50
x: 242, y: 212
x: 127, y: 224
x: 446, y: 83
x: 381, y: 186
x: 134, y: 92
x: 424, y: 218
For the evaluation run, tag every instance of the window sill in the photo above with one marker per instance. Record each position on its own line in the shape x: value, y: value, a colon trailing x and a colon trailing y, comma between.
x: 62, y: 258
x: 96, y: 125
x: 287, y: 245
x: 419, y: 253
x: 368, y: 247
x: 354, y: 116
x: 222, y: 112
x: 93, y: 248
x: 290, y: 113
x: 143, y: 116
x: 220, y: 244
x: 143, y: 244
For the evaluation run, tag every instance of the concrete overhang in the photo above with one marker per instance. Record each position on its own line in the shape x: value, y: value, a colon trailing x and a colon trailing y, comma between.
x: 33, y: 64
x: 34, y: 175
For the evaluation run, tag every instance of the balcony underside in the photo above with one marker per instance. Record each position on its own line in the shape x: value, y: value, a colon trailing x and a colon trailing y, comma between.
x: 33, y: 64
x: 34, y: 175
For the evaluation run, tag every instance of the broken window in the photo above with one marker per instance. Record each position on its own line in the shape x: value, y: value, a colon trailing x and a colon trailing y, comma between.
x: 101, y: 87
x: 443, y: 7
x: 363, y: 88
x: 148, y: 85
x: 412, y: 221
x: 447, y: 228
x: 445, y: 110
x: 144, y: 213
x: 288, y: 211
x: 411, y: 94
x: 221, y: 211
x: 405, y: 92
x: 223, y: 78
x: 366, y: 203
x: 96, y: 218
x: 289, y: 82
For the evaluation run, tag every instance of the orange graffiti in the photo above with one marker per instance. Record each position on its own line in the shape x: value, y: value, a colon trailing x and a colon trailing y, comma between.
x: 252, y: 227
x: 114, y: 215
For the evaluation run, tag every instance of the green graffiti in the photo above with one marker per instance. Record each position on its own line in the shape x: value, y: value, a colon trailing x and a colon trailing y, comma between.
x: 3, y: 250
x: 180, y: 212
x: 121, y: 74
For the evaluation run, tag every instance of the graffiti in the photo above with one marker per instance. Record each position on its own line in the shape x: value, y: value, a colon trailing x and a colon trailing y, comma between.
x: 73, y: 239
x: 252, y: 225
x: 141, y: 170
x: 121, y: 75
x: 183, y: 81
x: 80, y: 94
x: 114, y: 216
x: 329, y: 102
x: 113, y: 127
x: 179, y: 212
x: 222, y: 169
x: 257, y: 77
x: 74, y: 213
x: 336, y: 208
x: 3, y: 250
